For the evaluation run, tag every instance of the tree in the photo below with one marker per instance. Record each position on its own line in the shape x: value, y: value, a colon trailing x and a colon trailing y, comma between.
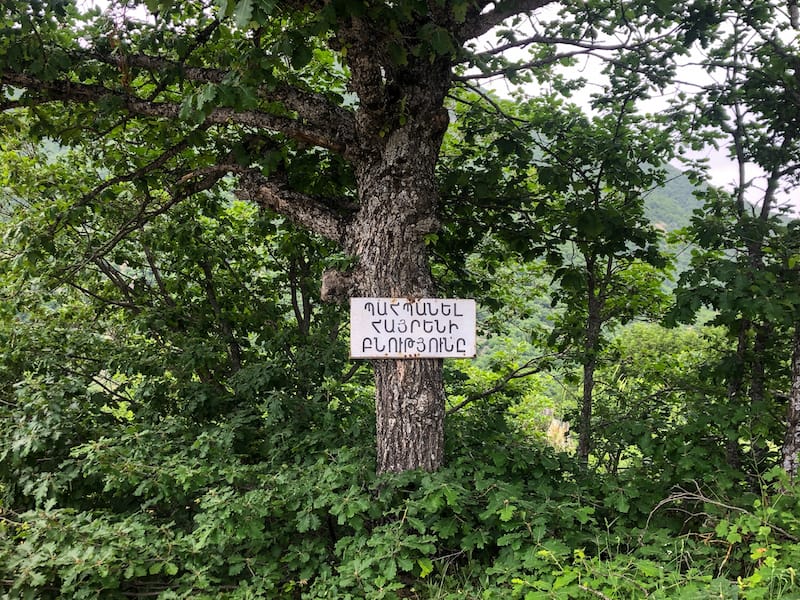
x: 746, y: 270
x: 328, y: 113
x: 604, y: 253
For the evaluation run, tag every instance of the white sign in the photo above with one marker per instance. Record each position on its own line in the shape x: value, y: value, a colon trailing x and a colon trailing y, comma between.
x: 412, y: 328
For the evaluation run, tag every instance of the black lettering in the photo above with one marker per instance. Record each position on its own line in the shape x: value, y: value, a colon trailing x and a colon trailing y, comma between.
x: 461, y: 345
x: 375, y: 326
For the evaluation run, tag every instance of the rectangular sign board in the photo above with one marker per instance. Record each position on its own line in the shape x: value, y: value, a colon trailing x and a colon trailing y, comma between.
x: 412, y: 328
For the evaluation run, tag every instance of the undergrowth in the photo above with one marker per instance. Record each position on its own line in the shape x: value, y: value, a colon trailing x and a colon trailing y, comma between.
x: 192, y: 512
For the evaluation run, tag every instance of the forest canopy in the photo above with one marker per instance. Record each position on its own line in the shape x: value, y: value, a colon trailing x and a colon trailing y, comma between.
x: 192, y: 191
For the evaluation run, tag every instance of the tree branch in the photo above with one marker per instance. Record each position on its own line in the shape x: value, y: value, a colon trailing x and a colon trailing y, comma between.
x: 225, y: 326
x: 582, y: 49
x: 306, y: 211
x: 151, y: 261
x: 310, y: 107
x: 141, y: 172
x: 335, y: 136
x: 145, y: 214
x: 553, y: 41
x: 682, y: 496
x: 525, y: 370
x: 480, y: 23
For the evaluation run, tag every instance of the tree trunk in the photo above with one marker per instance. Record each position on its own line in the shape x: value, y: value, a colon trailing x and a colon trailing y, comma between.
x: 400, y: 134
x: 399, y: 200
x: 591, y: 345
x: 409, y: 410
x: 791, y: 441
x: 585, y: 436
x: 733, y: 453
x: 759, y: 409
x: 399, y: 197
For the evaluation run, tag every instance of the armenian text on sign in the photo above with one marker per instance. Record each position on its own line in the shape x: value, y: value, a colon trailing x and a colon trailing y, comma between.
x: 412, y: 328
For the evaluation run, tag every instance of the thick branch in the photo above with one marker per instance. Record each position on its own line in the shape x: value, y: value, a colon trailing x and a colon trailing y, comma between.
x: 309, y: 106
x: 335, y: 137
x: 481, y: 23
x: 553, y: 41
x: 306, y: 211
x: 534, y: 64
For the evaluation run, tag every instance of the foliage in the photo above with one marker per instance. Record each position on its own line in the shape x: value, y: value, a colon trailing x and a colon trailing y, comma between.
x: 178, y: 418
x: 185, y: 512
x: 139, y: 459
x: 742, y: 267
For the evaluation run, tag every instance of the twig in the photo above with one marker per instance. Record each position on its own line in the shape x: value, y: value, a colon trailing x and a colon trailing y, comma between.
x: 594, y: 592
x: 699, y: 496
x: 520, y: 372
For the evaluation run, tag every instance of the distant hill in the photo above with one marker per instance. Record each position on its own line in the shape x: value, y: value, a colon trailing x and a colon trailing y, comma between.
x: 670, y: 207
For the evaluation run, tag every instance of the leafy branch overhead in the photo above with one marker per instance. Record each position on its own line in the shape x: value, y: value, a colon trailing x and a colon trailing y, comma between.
x: 327, y: 75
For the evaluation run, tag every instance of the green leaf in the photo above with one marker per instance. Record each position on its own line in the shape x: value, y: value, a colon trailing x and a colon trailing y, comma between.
x: 243, y: 13
x: 397, y: 54
x: 438, y: 38
x: 507, y: 512
x: 425, y: 566
x: 206, y: 95
x: 565, y: 579
x: 302, y: 54
x: 590, y: 224
x: 663, y: 7
x: 459, y: 11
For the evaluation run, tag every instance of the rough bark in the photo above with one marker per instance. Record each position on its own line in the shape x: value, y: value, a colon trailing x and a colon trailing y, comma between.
x: 397, y: 194
x: 791, y: 442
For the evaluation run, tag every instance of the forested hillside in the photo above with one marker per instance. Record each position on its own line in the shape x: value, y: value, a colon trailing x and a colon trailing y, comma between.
x: 191, y: 192
x: 670, y: 206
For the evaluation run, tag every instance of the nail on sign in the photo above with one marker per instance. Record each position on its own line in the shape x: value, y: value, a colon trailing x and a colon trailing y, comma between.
x: 412, y: 328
